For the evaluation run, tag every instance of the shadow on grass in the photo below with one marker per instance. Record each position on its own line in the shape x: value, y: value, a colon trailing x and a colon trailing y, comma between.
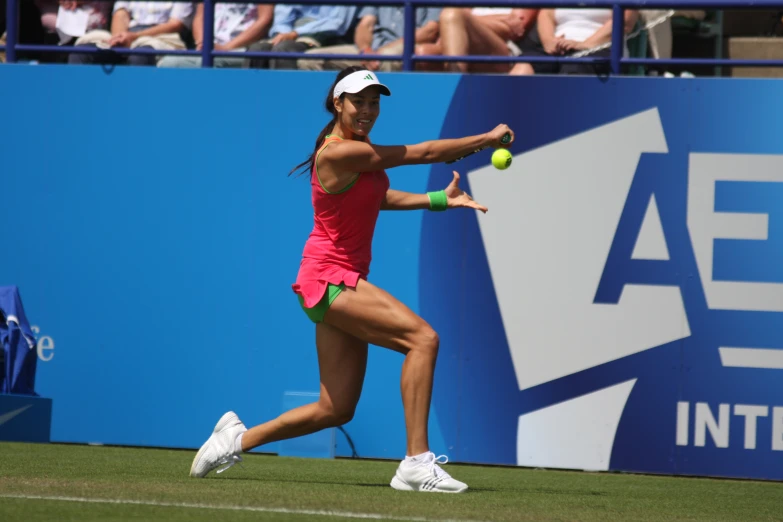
x: 366, y: 485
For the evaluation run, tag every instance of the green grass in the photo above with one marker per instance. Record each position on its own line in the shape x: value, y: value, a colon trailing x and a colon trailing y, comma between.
x: 357, y: 486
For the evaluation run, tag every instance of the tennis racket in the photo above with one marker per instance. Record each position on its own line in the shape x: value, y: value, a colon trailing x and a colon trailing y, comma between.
x: 504, y: 140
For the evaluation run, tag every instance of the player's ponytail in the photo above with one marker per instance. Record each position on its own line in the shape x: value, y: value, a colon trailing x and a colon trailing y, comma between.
x: 307, y: 165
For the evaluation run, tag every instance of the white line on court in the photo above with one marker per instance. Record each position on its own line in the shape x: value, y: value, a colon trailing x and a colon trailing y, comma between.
x: 314, y: 512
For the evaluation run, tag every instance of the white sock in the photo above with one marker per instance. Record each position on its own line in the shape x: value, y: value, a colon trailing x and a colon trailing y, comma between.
x: 238, y: 444
x: 416, y: 459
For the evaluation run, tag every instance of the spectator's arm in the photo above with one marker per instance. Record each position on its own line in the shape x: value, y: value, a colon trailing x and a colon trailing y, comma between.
x: 511, y: 26
x: 180, y: 17
x: 362, y: 37
x: 120, y: 21
x: 328, y: 25
x: 255, y: 32
x: 604, y: 34
x: 428, y: 33
x: 528, y: 17
x: 182, y: 11
x: 284, y: 18
x: 174, y: 25
x: 546, y: 30
x: 496, y: 22
x: 198, y: 26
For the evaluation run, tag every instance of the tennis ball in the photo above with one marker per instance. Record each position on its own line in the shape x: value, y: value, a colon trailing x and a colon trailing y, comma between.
x: 501, y: 159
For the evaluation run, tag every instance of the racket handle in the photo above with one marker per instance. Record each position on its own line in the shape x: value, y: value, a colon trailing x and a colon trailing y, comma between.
x: 505, y: 139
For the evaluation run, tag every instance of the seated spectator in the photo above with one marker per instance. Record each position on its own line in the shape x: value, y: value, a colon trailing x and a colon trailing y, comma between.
x: 483, y: 31
x: 236, y: 27
x: 138, y: 25
x: 30, y: 29
x: 660, y: 36
x: 380, y: 31
x: 297, y: 28
x: 48, y: 10
x: 97, y: 18
x: 563, y: 32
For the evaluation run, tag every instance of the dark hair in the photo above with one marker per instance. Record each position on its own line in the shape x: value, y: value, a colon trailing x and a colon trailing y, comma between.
x: 307, y: 165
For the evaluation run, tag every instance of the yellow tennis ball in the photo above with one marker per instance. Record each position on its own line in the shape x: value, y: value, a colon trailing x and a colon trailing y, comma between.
x: 501, y: 159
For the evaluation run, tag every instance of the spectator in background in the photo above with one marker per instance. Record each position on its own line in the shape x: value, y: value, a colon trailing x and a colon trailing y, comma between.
x: 660, y: 36
x: 483, y: 31
x: 236, y: 27
x: 29, y: 29
x: 37, y: 26
x: 138, y: 25
x: 48, y: 11
x: 563, y: 32
x: 380, y: 31
x: 98, y: 14
x: 298, y: 28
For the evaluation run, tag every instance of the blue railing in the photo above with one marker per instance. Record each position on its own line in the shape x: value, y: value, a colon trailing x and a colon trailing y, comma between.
x: 616, y: 59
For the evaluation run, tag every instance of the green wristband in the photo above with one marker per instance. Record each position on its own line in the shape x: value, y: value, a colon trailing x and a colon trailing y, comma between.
x: 438, y: 201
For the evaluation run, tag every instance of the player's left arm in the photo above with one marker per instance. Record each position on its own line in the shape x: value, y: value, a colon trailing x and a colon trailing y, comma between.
x: 455, y: 198
x: 399, y: 200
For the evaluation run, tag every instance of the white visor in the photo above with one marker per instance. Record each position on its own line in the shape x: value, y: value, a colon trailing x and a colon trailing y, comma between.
x: 358, y: 81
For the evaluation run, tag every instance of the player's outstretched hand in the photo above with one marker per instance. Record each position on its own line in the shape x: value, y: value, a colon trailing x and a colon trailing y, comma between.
x: 459, y: 199
x: 501, y: 137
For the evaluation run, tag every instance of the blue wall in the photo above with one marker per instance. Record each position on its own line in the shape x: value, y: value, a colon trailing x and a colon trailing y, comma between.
x: 155, y: 235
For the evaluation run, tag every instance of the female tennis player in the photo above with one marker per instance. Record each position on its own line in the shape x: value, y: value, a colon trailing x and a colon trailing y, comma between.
x: 349, y: 188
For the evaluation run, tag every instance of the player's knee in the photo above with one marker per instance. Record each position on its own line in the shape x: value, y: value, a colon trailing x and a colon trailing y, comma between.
x: 427, y: 340
x: 341, y: 415
x: 337, y: 414
x: 344, y: 416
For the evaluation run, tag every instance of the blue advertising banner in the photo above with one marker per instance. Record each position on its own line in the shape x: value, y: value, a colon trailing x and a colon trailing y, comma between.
x: 618, y: 307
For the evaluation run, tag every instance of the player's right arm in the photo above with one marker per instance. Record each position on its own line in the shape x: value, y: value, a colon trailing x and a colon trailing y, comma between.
x: 350, y: 156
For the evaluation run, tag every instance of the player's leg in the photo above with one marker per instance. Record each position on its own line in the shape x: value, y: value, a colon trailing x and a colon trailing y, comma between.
x: 372, y: 314
x: 342, y: 361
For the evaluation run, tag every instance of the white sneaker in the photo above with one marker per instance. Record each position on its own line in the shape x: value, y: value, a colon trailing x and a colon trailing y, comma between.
x: 426, y: 475
x: 218, y: 450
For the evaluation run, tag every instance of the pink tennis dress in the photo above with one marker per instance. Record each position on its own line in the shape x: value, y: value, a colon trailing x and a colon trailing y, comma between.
x: 339, y: 249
